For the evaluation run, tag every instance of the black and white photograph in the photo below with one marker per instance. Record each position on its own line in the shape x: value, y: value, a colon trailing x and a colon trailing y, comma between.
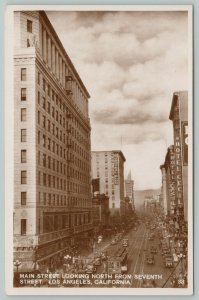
x: 98, y: 119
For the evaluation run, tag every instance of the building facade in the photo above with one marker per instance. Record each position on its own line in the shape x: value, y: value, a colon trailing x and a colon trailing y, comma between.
x: 164, y: 190
x: 169, y: 185
x: 179, y: 117
x: 129, y: 190
x: 52, y: 195
x: 108, y: 166
x: 100, y: 203
x: 175, y: 167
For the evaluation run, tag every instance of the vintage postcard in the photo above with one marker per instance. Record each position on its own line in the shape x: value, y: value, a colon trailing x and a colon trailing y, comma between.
x: 98, y: 177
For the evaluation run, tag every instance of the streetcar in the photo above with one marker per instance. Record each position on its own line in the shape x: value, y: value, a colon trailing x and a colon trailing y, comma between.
x: 117, y: 262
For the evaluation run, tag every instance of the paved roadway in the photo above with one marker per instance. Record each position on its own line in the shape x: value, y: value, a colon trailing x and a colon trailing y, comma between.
x: 139, y: 244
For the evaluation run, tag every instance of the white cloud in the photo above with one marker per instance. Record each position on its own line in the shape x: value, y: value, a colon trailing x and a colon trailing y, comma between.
x: 131, y: 63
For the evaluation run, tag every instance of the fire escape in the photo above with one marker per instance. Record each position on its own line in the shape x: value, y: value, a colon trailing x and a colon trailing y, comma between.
x: 69, y: 94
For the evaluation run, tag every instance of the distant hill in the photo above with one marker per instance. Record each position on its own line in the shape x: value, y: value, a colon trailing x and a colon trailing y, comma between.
x: 140, y: 196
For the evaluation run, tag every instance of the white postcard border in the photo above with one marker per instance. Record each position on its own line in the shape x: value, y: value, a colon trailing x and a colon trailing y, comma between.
x: 9, y: 157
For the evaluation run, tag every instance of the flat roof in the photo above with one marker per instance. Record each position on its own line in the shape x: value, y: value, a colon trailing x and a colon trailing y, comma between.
x: 114, y: 151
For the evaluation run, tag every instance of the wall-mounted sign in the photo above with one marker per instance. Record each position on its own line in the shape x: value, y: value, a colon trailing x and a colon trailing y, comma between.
x: 185, y: 143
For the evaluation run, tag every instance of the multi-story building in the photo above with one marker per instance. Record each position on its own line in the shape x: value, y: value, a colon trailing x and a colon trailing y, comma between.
x: 175, y: 167
x: 52, y: 194
x: 100, y: 203
x: 129, y: 189
x: 108, y: 166
x: 179, y: 117
x: 169, y: 182
x: 164, y: 190
x: 152, y: 204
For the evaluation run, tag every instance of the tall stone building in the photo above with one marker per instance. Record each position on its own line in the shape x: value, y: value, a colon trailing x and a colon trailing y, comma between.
x: 169, y: 182
x: 175, y: 167
x: 129, y: 189
x: 108, y: 166
x: 164, y: 190
x: 179, y: 117
x: 52, y: 194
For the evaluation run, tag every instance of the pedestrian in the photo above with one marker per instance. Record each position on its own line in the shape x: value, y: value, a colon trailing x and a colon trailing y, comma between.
x: 174, y: 281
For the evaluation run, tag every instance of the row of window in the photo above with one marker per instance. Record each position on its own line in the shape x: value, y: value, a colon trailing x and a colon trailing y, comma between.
x: 61, y: 136
x: 53, y: 223
x: 58, y: 66
x: 58, y: 183
x: 52, y: 181
x: 50, y: 125
x: 58, y: 117
x: 51, y: 102
x: 60, y: 167
x: 78, y: 162
x: 50, y: 199
x: 51, y: 145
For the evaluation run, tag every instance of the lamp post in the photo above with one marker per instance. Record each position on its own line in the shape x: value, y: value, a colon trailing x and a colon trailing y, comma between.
x: 67, y: 259
x: 17, y: 263
x: 99, y: 242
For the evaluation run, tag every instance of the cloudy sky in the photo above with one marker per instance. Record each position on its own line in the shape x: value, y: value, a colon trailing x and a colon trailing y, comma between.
x: 131, y: 63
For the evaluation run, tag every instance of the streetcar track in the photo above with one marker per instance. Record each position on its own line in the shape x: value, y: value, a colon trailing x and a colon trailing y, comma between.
x: 143, y: 258
x: 139, y: 243
x: 139, y: 250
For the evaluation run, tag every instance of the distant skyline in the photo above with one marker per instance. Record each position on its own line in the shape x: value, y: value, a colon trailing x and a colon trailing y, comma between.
x: 131, y: 63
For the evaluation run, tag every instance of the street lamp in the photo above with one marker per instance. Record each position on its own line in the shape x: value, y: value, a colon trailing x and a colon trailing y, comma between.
x: 99, y: 242
x: 67, y: 261
x: 17, y: 263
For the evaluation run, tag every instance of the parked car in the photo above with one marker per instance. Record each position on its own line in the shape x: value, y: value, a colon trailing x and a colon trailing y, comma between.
x: 104, y: 256
x: 150, y: 259
x: 154, y: 249
x: 125, y: 242
x: 165, y: 250
x: 113, y: 242
x: 168, y: 261
x: 151, y: 237
x: 97, y: 261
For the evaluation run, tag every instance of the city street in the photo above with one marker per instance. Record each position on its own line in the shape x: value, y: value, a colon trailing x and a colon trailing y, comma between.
x: 143, y: 273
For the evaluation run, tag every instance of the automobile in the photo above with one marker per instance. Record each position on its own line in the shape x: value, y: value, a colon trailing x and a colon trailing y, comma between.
x: 165, y: 250
x: 125, y: 242
x: 150, y: 259
x: 96, y: 253
x: 97, y: 262
x: 104, y: 256
x: 119, y: 236
x: 151, y: 238
x: 168, y: 261
x: 113, y: 242
x: 179, y: 250
x: 90, y: 268
x: 154, y: 249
